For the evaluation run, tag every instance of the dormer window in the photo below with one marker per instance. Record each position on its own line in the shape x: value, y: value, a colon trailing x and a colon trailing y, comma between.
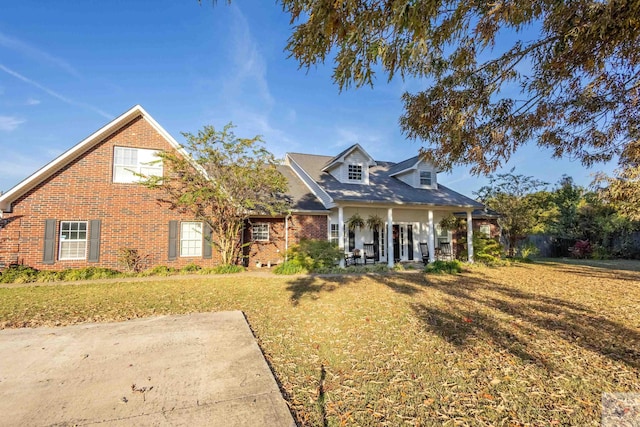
x: 355, y: 173
x: 425, y: 178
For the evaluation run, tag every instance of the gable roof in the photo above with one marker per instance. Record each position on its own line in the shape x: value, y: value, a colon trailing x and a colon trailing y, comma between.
x: 80, y: 148
x: 382, y: 187
x: 404, y: 166
x: 300, y: 198
x: 340, y: 157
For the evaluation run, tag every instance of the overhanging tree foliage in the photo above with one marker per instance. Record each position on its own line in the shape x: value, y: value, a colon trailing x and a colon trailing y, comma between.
x: 565, y: 74
x: 222, y: 181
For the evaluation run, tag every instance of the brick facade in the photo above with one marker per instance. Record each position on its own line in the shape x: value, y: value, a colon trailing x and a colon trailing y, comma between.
x: 130, y: 215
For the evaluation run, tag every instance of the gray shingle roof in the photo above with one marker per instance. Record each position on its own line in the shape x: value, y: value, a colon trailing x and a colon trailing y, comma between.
x: 300, y: 198
x: 406, y: 164
x: 382, y: 187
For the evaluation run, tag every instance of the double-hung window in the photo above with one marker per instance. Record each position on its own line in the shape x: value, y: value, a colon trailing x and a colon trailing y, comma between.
x: 127, y: 162
x: 334, y: 236
x: 260, y: 232
x: 191, y: 239
x: 73, y: 240
x: 425, y: 178
x: 485, y: 229
x: 354, y: 172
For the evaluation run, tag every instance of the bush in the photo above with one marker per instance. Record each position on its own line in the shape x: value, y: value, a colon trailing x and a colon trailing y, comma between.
x: 442, y: 267
x: 19, y: 274
x: 87, y: 273
x: 190, y: 268
x: 485, y: 250
x: 581, y: 249
x: 527, y: 250
x: 160, y: 270
x: 600, y: 252
x: 289, y: 267
x: 312, y: 255
x: 224, y: 269
x: 131, y: 260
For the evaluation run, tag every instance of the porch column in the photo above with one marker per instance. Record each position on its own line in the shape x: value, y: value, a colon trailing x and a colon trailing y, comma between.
x: 432, y: 238
x: 341, y: 234
x: 470, y: 236
x: 390, y: 254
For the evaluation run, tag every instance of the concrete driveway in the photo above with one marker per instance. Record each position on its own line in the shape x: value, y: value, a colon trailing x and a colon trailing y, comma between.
x: 199, y: 369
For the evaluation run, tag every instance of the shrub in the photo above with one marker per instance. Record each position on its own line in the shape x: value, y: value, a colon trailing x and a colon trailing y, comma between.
x: 131, y: 260
x: 160, y: 270
x: 87, y: 273
x: 527, y: 250
x: 224, y: 269
x: 600, y: 252
x: 190, y: 268
x: 313, y: 255
x: 442, y: 267
x: 289, y: 267
x: 19, y: 274
x: 485, y: 250
x: 581, y: 249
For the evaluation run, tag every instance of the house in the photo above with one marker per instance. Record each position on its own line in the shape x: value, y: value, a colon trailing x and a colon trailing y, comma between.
x: 85, y: 206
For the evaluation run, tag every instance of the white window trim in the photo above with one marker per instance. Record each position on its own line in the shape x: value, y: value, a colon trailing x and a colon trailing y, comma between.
x: 183, y: 239
x: 154, y: 167
x: 254, y: 233
x: 420, y: 172
x: 334, y: 239
x: 354, y: 165
x: 61, y: 241
x: 486, y: 227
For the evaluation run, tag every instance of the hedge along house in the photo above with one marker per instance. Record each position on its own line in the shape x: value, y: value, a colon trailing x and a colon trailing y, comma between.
x: 404, y: 198
x: 86, y: 205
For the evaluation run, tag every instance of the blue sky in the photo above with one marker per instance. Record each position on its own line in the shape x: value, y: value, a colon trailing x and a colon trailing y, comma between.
x: 67, y: 68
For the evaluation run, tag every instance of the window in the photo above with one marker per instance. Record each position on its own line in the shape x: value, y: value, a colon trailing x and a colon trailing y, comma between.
x: 485, y: 230
x: 334, y: 235
x: 355, y: 173
x: 425, y: 178
x: 191, y: 239
x: 73, y: 240
x: 130, y: 161
x: 260, y: 232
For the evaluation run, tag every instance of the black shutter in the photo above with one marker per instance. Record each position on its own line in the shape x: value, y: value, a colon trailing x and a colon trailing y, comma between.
x: 49, y: 253
x: 206, y: 250
x: 94, y: 240
x: 173, y: 240
x: 352, y: 240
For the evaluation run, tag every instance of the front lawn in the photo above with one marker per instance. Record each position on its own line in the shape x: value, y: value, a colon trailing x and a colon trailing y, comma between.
x: 530, y: 344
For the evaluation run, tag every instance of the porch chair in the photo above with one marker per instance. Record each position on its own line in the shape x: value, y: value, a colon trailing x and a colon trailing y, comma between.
x: 368, y: 250
x: 424, y: 249
x: 445, y: 253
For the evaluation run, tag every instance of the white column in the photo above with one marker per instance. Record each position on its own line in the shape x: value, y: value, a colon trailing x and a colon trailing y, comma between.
x: 341, y: 233
x: 390, y: 253
x: 432, y: 238
x: 470, y: 236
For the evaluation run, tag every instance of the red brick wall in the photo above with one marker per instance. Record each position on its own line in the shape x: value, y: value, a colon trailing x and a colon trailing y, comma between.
x: 300, y: 227
x: 83, y: 191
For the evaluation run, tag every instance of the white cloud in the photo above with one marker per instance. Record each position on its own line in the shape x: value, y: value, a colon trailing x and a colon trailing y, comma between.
x: 250, y: 67
x: 33, y: 101
x: 9, y: 123
x: 37, y: 54
x: 54, y: 94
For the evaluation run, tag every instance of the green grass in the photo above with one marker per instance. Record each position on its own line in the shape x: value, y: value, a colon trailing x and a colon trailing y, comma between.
x: 527, y: 344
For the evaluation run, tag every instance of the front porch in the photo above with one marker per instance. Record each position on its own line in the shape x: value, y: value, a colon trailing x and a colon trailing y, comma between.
x: 394, y: 234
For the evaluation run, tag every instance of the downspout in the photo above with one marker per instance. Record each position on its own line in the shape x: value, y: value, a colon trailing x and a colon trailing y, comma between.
x: 286, y: 236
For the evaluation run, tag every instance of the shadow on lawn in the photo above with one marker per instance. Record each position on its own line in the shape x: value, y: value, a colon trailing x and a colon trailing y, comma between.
x: 474, y: 310
x: 313, y: 285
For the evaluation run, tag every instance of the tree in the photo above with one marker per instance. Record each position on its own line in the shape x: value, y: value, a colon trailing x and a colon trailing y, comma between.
x: 222, y: 180
x: 514, y: 197
x: 623, y: 189
x: 565, y: 74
